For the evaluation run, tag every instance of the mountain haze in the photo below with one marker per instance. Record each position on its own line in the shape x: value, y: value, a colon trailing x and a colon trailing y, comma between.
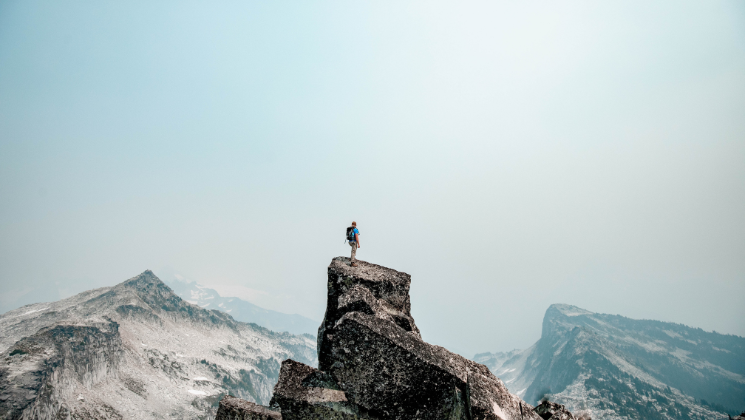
x: 242, y: 310
x: 620, y: 368
x: 135, y: 350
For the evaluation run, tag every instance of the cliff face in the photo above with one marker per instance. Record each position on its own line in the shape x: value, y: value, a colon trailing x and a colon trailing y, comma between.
x: 373, y: 363
x: 370, y: 344
x: 41, y: 372
x: 135, y: 350
x: 618, y: 368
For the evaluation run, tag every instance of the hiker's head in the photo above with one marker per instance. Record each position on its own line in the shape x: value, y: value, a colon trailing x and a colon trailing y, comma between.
x: 354, y: 224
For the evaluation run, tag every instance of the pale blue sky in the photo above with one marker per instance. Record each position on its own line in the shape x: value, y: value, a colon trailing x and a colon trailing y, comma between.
x: 506, y: 155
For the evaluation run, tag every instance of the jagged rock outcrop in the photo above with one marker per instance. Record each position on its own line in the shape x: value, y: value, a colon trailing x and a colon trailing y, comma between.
x: 304, y: 392
x: 553, y: 411
x: 373, y: 363
x: 232, y: 408
x: 370, y: 344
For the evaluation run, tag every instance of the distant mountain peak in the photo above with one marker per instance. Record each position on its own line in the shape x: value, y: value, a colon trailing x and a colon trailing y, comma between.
x: 144, y: 278
x: 567, y: 310
x: 135, y: 350
x: 150, y: 290
x: 625, y: 369
x: 205, y: 297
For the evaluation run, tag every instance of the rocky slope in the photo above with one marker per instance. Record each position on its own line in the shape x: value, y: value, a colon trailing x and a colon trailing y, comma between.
x: 135, y: 350
x: 241, y: 310
x: 622, y: 369
x: 373, y: 364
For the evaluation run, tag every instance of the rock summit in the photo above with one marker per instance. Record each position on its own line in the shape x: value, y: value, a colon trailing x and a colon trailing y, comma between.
x: 373, y: 363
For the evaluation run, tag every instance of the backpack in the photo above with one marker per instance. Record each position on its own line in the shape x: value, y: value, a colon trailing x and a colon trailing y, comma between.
x: 350, y: 233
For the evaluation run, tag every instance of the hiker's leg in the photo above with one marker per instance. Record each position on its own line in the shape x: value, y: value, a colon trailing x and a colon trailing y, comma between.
x: 354, y: 251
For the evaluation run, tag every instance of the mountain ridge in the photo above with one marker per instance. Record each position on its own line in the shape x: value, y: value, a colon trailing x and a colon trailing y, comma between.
x: 146, y: 351
x: 654, y: 369
x: 242, y: 310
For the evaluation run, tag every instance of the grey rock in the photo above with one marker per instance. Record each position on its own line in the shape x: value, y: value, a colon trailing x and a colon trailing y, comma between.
x: 367, y: 288
x: 304, y: 392
x: 553, y: 411
x: 371, y: 346
x: 373, y: 363
x: 232, y: 408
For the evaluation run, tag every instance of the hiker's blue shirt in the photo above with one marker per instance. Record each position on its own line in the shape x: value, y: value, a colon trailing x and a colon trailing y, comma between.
x: 356, y: 232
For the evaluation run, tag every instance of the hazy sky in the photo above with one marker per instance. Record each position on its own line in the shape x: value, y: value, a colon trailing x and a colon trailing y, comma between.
x: 506, y: 155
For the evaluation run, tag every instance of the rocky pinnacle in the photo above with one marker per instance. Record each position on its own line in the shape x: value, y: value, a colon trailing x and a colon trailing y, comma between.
x: 373, y: 363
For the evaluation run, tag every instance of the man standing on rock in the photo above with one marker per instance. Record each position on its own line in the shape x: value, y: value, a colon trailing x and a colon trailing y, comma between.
x: 354, y: 242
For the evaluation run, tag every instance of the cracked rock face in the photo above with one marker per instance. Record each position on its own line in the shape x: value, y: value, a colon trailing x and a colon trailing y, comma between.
x: 367, y: 289
x: 304, y: 392
x: 373, y: 363
x: 371, y: 346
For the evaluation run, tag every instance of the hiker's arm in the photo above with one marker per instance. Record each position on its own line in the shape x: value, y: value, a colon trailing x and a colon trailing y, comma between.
x: 357, y: 239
